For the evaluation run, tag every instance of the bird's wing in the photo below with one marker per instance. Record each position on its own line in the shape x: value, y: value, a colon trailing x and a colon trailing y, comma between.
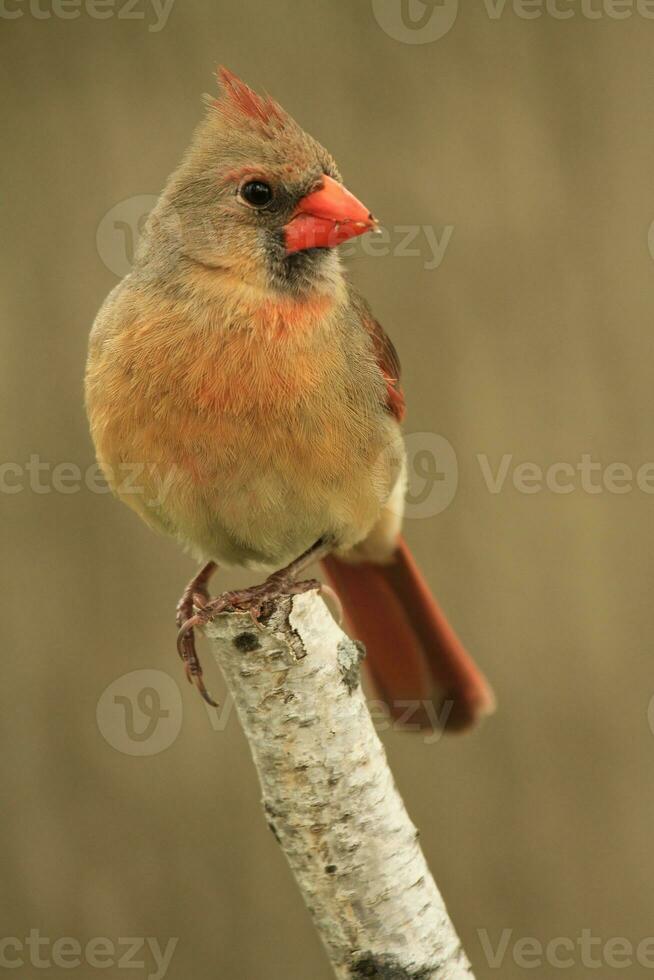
x: 387, y: 358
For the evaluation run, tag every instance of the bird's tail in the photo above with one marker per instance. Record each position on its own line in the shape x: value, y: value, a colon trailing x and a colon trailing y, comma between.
x: 417, y: 662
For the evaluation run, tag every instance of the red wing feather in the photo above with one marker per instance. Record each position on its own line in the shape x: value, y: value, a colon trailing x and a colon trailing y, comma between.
x: 387, y: 358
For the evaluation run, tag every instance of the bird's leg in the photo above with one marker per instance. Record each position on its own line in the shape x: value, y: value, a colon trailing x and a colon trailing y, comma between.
x: 196, y: 593
x: 195, y: 597
x: 255, y: 600
x: 284, y: 582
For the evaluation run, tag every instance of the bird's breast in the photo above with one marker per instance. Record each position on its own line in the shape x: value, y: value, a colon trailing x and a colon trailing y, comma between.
x: 270, y: 430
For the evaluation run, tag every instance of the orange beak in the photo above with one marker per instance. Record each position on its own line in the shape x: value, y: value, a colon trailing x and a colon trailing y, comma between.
x: 326, y: 218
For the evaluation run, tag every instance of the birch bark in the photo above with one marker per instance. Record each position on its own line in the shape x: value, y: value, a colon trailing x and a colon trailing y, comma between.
x: 329, y: 796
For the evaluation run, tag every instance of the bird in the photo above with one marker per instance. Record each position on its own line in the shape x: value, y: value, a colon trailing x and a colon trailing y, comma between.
x: 238, y: 371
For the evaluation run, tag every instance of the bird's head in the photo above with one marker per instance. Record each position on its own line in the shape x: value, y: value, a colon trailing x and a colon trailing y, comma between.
x: 257, y: 196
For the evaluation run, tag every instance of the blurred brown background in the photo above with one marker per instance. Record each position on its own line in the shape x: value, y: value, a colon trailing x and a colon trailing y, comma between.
x: 532, y: 139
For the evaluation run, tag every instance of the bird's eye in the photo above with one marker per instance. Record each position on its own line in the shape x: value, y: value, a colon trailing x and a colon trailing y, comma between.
x: 257, y: 193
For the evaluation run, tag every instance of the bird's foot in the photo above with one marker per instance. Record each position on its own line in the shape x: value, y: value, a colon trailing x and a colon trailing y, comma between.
x: 195, y: 610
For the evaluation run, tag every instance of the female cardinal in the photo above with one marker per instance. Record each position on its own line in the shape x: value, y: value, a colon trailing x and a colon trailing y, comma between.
x: 239, y: 373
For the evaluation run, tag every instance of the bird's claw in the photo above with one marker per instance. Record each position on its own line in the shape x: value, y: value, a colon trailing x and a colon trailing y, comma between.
x: 194, y: 612
x: 188, y: 653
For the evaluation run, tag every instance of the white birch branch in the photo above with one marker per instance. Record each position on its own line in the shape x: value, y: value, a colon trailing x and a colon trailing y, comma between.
x: 329, y: 795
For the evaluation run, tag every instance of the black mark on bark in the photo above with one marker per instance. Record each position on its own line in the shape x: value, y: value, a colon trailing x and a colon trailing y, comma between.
x: 370, y: 967
x: 246, y: 642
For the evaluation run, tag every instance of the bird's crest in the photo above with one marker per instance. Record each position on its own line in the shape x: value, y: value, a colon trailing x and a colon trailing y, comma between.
x: 238, y: 100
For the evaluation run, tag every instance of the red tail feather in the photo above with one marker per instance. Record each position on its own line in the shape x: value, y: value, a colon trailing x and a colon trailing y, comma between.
x: 414, y: 654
